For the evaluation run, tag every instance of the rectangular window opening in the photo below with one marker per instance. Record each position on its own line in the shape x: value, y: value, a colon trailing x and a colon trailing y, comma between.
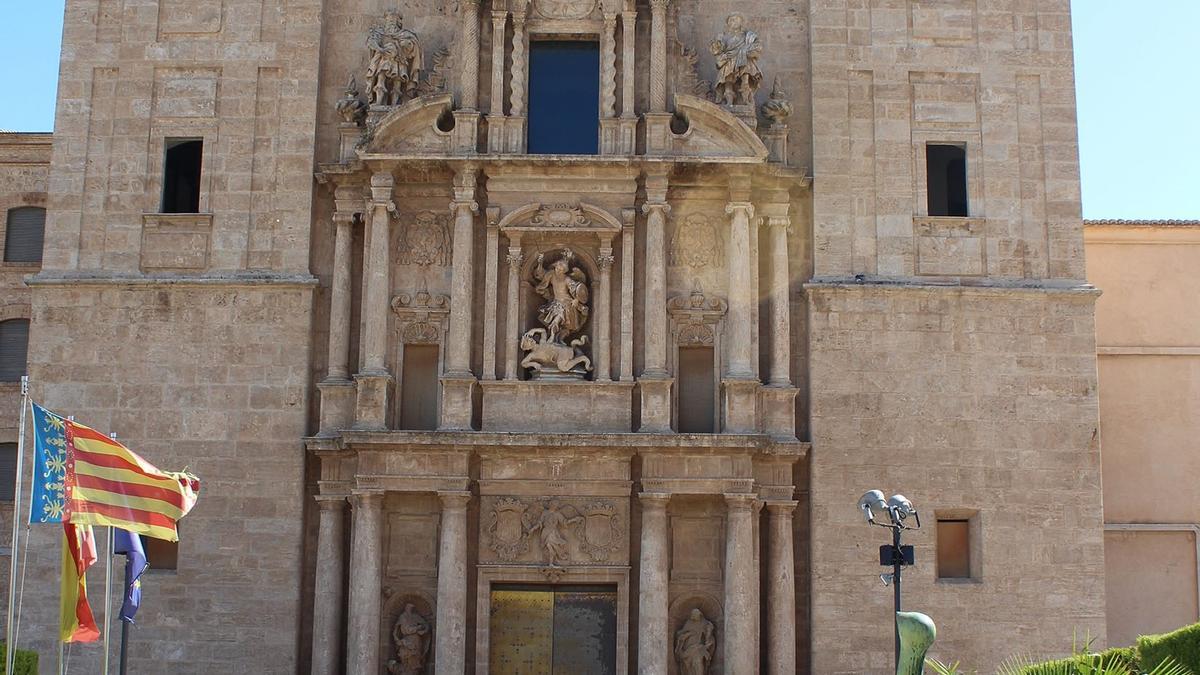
x: 953, y: 548
x: 947, y: 179
x: 697, y: 390
x: 161, y: 554
x: 419, y: 384
x: 564, y: 97
x: 8, y: 471
x: 181, y: 175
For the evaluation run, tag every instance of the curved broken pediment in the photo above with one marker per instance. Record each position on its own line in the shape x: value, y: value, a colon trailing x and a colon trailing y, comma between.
x: 714, y: 132
x: 581, y: 217
x: 412, y: 128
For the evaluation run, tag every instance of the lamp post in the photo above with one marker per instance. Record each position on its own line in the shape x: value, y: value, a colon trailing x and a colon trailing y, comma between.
x: 898, y: 510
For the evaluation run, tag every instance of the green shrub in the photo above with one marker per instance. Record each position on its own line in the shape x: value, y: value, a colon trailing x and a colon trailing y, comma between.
x: 1182, y: 645
x: 25, y: 662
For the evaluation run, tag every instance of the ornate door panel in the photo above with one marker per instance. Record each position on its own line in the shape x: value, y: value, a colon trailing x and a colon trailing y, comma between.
x: 547, y: 630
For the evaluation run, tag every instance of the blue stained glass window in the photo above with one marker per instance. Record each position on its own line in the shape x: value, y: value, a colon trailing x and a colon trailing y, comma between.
x: 564, y: 98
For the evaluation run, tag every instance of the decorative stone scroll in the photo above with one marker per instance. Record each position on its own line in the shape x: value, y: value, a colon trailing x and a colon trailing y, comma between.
x: 696, y: 243
x: 421, y: 317
x: 426, y: 240
x: 696, y: 319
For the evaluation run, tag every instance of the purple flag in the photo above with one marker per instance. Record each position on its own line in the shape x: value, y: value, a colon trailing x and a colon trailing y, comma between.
x: 130, y: 545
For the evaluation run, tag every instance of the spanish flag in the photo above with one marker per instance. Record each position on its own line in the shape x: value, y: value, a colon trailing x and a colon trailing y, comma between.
x: 108, y: 484
x: 76, y: 623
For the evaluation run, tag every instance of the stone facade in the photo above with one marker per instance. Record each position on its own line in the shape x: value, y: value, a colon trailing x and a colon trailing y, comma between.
x: 340, y: 343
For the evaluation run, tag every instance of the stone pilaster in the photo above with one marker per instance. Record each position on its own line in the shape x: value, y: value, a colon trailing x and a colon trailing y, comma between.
x: 604, y: 314
x: 496, y: 111
x: 513, y: 336
x: 331, y: 567
x: 781, y: 323
x: 740, y: 384
x: 458, y: 381
x: 741, y: 603
x: 654, y: 631
x: 628, y: 59
x: 337, y: 389
x: 781, y: 590
x: 491, y: 274
x: 450, y: 628
x: 373, y: 380
x: 655, y: 382
x: 628, y: 218
x: 366, y: 583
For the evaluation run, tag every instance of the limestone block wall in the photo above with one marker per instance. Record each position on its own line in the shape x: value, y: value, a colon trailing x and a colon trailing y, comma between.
x: 977, y: 402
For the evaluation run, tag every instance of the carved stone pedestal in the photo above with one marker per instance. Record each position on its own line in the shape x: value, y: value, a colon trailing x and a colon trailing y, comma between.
x: 779, y: 412
x: 348, y: 134
x: 740, y: 403
x: 557, y: 407
x: 656, y: 404
x: 457, y: 403
x: 337, y: 406
x: 466, y: 132
x: 371, y: 407
x: 658, y: 133
x: 775, y: 138
x: 514, y: 134
x: 618, y: 135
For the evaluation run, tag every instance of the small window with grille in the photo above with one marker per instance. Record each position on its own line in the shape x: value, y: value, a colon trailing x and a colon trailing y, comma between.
x: 14, y: 349
x: 24, y: 233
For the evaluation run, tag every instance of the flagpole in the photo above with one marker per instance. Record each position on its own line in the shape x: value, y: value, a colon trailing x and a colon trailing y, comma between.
x: 108, y: 591
x: 11, y: 651
x: 124, y: 636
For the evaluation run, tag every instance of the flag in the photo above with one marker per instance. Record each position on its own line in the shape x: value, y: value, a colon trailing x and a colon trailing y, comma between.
x: 47, y: 502
x: 76, y: 623
x: 108, y: 484
x: 130, y: 545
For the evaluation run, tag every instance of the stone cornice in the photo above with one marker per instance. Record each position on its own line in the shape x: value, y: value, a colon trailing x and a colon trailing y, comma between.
x: 116, y: 279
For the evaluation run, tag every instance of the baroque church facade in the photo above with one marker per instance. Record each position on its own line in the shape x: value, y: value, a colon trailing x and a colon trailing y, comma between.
x: 547, y: 336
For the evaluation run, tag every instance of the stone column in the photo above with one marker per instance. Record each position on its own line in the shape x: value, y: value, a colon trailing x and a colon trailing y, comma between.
x: 469, y: 64
x: 608, y: 67
x: 331, y: 567
x: 458, y: 382
x: 654, y: 310
x: 496, y: 111
x: 373, y: 380
x: 781, y: 329
x: 337, y: 390
x: 741, y: 292
x: 366, y: 581
x: 741, y: 604
x: 658, y: 55
x: 604, y: 313
x: 515, y: 136
x: 628, y: 217
x: 450, y: 629
x: 654, y: 631
x: 781, y: 591
x: 492, y: 279
x: 629, y: 55
x: 512, y: 340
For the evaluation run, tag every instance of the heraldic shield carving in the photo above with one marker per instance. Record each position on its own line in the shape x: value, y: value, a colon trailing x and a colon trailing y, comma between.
x: 565, y: 532
x: 507, y: 536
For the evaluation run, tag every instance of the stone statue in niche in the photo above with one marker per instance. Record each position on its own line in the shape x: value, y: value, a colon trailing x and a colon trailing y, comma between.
x: 411, y: 635
x: 553, y: 523
x: 695, y: 644
x: 395, y: 63
x: 737, y: 51
x: 564, y: 287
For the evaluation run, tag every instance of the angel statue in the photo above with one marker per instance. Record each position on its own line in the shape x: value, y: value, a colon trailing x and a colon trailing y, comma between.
x: 565, y: 289
x: 395, y: 63
x: 553, y: 522
x: 737, y: 51
x: 411, y: 635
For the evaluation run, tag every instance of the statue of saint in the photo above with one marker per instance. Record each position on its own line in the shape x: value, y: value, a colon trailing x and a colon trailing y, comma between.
x: 411, y: 635
x: 737, y: 51
x: 565, y: 289
x: 395, y: 62
x: 553, y: 523
x: 695, y: 645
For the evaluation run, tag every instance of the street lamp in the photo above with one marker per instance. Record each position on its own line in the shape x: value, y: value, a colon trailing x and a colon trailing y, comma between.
x: 898, y: 509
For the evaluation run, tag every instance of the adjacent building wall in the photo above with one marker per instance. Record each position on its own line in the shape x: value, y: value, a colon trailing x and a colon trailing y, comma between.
x: 1148, y: 338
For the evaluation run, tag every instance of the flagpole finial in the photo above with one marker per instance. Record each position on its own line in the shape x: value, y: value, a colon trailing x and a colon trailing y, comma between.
x: 24, y: 385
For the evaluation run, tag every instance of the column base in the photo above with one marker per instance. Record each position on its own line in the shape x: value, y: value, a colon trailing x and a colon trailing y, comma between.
x: 659, y: 137
x: 337, y: 406
x: 740, y: 405
x: 466, y: 132
x: 370, y: 411
x: 457, y: 403
x: 656, y: 404
x: 778, y: 405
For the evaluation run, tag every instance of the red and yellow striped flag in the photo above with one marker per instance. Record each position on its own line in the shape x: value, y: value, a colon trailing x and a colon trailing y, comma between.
x: 108, y: 484
x: 76, y: 623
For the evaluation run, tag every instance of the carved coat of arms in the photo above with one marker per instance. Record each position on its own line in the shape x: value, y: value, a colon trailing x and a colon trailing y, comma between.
x: 507, y: 537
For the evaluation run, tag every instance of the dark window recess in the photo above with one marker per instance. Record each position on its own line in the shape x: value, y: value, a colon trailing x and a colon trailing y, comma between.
x: 697, y: 390
x: 564, y: 98
x: 8, y: 471
x: 181, y: 175
x: 14, y: 349
x: 25, y: 232
x: 419, y: 395
x: 160, y: 553
x: 947, y: 166
x: 954, y: 549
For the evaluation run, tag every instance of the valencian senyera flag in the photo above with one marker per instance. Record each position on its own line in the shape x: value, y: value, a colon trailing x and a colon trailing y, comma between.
x: 87, y: 478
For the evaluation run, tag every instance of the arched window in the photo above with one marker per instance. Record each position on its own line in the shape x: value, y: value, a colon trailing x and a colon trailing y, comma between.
x: 24, y: 235
x: 14, y: 349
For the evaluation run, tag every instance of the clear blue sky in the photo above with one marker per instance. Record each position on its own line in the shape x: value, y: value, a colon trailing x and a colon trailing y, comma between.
x: 1136, y: 69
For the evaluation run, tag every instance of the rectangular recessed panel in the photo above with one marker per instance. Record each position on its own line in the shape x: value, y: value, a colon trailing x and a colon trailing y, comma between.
x: 953, y: 549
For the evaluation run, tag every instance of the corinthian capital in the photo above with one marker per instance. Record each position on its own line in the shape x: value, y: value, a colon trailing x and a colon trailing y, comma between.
x: 733, y: 208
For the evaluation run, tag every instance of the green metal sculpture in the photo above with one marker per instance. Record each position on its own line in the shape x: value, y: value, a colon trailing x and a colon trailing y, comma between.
x: 917, y: 633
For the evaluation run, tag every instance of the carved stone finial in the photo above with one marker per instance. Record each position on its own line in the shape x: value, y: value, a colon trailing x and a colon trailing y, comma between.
x: 737, y: 51
x: 777, y: 108
x: 695, y: 644
x: 393, y: 71
x: 352, y: 108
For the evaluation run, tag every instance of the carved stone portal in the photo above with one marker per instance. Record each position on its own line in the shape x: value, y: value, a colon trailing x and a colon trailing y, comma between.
x: 737, y: 51
x: 410, y: 636
x: 564, y: 286
x: 695, y: 645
